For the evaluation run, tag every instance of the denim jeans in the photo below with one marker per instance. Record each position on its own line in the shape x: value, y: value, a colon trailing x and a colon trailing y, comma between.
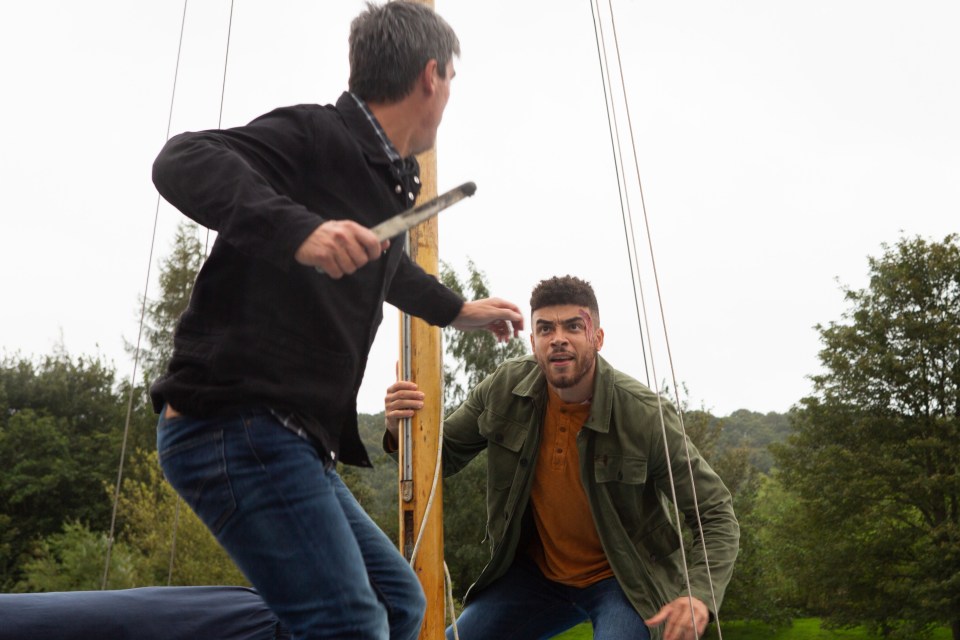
x: 524, y: 605
x: 291, y: 525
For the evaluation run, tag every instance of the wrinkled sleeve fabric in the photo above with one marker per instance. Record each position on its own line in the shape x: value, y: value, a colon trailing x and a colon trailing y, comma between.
x: 462, y: 440
x: 418, y: 293
x: 236, y: 181
x: 702, y: 498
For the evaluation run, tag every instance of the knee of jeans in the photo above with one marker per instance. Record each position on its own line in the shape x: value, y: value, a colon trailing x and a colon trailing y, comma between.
x: 407, y: 616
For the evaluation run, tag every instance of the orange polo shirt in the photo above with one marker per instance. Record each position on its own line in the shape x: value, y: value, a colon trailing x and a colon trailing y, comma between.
x: 569, y: 550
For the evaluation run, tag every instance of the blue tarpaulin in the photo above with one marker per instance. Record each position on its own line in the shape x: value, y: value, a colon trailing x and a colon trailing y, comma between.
x: 150, y: 613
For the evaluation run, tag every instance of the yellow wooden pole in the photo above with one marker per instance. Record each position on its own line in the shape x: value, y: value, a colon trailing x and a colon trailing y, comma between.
x: 419, y: 440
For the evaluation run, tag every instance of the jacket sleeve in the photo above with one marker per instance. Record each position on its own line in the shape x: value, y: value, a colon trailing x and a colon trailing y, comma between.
x: 236, y: 181
x: 462, y: 440
x: 418, y: 293
x: 707, y: 507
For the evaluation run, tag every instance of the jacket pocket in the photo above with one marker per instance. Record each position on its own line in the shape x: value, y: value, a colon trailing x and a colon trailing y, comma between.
x: 502, y: 432
x: 630, y: 470
x: 635, y: 499
x: 506, y: 469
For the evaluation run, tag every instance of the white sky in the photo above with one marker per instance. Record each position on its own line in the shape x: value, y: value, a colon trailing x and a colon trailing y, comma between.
x: 779, y: 144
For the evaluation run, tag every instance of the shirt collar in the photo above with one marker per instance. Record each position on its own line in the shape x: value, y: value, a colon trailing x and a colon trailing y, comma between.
x: 388, y: 147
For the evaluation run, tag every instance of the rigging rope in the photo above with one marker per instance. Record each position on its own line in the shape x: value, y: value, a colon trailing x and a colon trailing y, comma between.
x: 631, y: 250
x: 621, y: 182
x: 143, y: 311
x: 636, y: 281
x: 143, y: 307
x: 206, y: 244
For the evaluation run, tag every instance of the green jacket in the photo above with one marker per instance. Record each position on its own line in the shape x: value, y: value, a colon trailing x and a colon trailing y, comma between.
x: 623, y: 466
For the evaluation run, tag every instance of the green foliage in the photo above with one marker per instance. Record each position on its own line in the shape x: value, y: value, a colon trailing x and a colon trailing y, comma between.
x: 875, y: 459
x: 375, y: 489
x: 156, y: 522
x: 61, y: 427
x: 178, y: 272
x: 801, y: 629
x: 474, y: 354
x: 755, y: 432
x: 73, y: 560
x: 62, y: 424
x: 763, y: 588
x: 749, y: 595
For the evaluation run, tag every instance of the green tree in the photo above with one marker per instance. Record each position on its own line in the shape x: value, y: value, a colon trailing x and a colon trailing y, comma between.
x: 755, y: 432
x: 72, y: 560
x: 747, y: 597
x: 178, y: 272
x: 875, y: 457
x: 764, y: 588
x: 61, y: 424
x: 473, y: 354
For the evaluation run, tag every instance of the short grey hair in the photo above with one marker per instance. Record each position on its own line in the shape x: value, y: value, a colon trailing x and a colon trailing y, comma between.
x: 392, y: 43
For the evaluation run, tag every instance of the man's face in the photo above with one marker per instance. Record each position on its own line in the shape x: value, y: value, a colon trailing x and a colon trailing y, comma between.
x: 565, y: 342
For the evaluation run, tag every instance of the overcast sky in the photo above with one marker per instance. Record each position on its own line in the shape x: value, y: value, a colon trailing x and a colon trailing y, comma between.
x: 779, y: 144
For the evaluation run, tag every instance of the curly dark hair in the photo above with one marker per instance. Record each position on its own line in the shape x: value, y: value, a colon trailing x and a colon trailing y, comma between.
x: 564, y: 290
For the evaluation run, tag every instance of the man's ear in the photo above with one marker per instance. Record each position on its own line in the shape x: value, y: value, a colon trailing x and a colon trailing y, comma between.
x: 598, y: 339
x: 429, y: 77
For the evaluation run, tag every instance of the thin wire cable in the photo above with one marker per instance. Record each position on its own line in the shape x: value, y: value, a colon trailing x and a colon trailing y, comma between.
x: 173, y: 541
x: 631, y: 251
x: 621, y: 176
x: 663, y: 319
x: 598, y: 24
x: 666, y: 338
x: 631, y: 246
x: 143, y: 312
x: 206, y: 252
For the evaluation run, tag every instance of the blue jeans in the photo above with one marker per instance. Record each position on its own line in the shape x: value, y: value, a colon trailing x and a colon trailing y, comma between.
x: 291, y: 525
x: 524, y: 605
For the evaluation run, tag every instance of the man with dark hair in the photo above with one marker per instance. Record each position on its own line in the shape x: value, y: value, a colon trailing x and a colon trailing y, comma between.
x: 258, y: 403
x: 582, y: 461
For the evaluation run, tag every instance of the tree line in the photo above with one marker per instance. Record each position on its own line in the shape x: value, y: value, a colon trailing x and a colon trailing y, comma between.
x: 849, y: 503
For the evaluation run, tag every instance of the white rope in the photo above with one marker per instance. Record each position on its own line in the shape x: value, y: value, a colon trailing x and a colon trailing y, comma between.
x: 631, y: 249
x: 434, y: 485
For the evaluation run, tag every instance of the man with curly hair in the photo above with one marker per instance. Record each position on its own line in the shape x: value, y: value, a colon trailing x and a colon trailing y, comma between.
x: 579, y: 464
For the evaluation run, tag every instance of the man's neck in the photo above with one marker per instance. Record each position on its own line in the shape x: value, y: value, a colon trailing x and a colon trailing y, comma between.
x: 580, y: 392
x: 395, y: 119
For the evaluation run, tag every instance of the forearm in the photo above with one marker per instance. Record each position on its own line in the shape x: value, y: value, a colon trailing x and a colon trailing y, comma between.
x: 416, y: 292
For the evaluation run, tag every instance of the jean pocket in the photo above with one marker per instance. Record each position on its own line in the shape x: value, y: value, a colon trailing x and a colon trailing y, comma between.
x: 197, y: 469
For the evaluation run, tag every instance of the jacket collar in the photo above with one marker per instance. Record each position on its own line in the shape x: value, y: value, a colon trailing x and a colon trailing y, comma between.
x: 377, y: 148
x: 602, y: 403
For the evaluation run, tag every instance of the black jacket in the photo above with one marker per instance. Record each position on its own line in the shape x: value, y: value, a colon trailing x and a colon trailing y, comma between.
x: 262, y: 330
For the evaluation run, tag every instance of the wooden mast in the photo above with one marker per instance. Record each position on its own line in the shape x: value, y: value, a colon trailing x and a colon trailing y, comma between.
x: 419, y: 437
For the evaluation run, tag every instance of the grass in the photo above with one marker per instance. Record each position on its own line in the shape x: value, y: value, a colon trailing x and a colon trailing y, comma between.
x: 802, y: 629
